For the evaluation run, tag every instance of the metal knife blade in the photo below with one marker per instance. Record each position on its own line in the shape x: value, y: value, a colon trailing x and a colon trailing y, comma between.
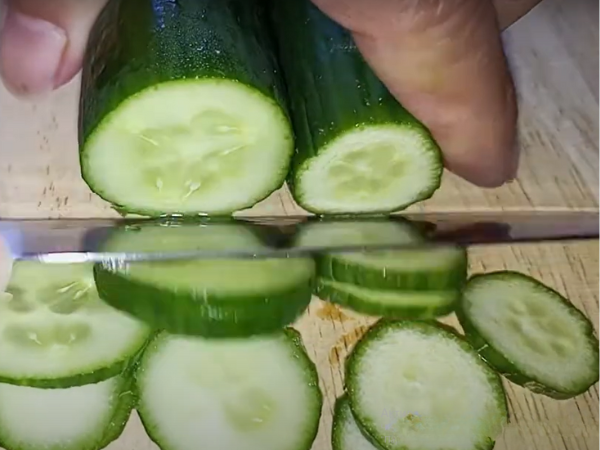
x: 83, y: 240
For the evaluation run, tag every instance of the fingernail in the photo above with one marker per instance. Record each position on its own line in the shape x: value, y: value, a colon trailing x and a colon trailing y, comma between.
x: 31, y: 51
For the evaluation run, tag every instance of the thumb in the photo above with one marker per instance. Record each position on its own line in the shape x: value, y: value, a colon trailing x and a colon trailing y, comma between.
x: 42, y: 42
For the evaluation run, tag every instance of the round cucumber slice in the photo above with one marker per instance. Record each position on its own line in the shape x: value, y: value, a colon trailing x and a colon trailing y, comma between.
x: 417, y: 385
x: 56, y: 332
x: 345, y: 433
x: 206, y: 297
x: 246, y: 394
x: 190, y: 146
x: 87, y: 417
x: 370, y: 169
x: 530, y: 334
x: 420, y: 305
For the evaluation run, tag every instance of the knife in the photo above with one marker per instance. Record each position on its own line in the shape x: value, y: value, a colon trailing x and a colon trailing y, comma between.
x: 84, y: 240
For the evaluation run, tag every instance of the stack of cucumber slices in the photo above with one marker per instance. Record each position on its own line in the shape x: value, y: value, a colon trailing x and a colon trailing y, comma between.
x: 420, y: 283
x: 207, y: 107
x: 66, y: 360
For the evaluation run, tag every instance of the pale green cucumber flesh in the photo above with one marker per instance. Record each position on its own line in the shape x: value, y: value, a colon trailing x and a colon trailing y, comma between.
x: 530, y: 333
x: 56, y: 332
x: 190, y: 146
x: 419, y: 386
x: 251, y: 394
x: 370, y: 169
x: 85, y: 417
x: 345, y: 433
x: 208, y: 297
x: 387, y: 303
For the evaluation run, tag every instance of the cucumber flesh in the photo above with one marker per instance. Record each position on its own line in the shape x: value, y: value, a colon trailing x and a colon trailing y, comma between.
x: 530, y: 333
x: 373, y: 169
x: 417, y: 385
x: 207, y: 297
x: 345, y: 433
x: 85, y: 417
x: 250, y: 394
x: 400, y: 304
x: 211, y: 146
x: 56, y: 332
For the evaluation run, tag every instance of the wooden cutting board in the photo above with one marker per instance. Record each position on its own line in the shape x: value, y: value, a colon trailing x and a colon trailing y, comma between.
x: 554, y: 56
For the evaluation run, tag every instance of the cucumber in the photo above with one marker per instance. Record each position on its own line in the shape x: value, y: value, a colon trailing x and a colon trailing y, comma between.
x: 345, y: 433
x: 406, y: 304
x: 223, y: 297
x: 181, y: 108
x: 87, y: 417
x: 418, y: 385
x: 436, y: 268
x: 530, y: 333
x: 358, y: 150
x: 247, y: 394
x: 55, y: 332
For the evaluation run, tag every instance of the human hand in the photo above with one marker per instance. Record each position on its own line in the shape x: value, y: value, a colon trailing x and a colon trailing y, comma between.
x: 442, y: 59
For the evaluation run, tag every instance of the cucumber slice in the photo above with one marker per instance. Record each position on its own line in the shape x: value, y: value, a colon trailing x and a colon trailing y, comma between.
x: 55, y: 332
x: 530, y: 334
x: 359, y: 151
x: 250, y: 394
x: 345, y: 433
x: 436, y: 268
x: 400, y: 304
x: 416, y: 385
x: 182, y: 109
x: 206, y: 297
x: 86, y: 417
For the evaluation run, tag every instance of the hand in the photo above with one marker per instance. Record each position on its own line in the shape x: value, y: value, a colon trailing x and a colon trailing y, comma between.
x: 442, y: 59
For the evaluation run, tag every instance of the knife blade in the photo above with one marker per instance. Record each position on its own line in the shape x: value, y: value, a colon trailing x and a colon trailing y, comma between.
x: 84, y: 240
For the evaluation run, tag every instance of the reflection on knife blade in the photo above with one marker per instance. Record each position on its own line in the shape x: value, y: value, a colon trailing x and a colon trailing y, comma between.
x: 104, y: 239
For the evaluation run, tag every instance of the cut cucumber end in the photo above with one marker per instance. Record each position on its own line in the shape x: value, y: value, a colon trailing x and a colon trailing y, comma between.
x: 530, y: 333
x: 190, y: 146
x: 422, y: 305
x: 374, y: 169
x: 55, y: 332
x: 397, y: 379
x: 251, y: 394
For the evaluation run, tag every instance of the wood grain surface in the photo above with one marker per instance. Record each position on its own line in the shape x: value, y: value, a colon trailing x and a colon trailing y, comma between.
x: 554, y: 56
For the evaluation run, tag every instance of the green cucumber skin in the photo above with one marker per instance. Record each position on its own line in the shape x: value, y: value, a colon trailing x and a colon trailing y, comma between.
x: 339, y: 93
x: 292, y: 335
x: 336, y: 429
x: 188, y: 315
x: 501, y: 364
x: 359, y: 305
x: 353, y: 365
x: 329, y: 266
x: 138, y: 44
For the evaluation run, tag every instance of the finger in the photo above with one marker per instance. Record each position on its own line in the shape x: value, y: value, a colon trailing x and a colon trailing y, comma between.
x: 42, y: 42
x: 443, y: 60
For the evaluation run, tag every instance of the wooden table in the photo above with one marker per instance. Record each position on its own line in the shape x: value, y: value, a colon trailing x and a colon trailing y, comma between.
x: 554, y: 55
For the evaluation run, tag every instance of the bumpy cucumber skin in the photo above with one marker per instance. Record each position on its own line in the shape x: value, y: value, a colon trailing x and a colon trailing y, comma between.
x: 507, y: 368
x: 338, y: 94
x: 310, y: 369
x: 363, y: 306
x: 190, y: 314
x: 346, y: 271
x: 137, y: 44
x: 352, y: 366
x: 126, y: 401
